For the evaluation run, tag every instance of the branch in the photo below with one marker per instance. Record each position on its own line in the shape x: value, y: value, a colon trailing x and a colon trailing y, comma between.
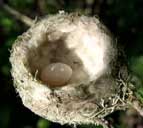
x: 41, y: 6
x: 138, y: 106
x: 26, y: 20
x: 60, y: 2
x: 88, y: 4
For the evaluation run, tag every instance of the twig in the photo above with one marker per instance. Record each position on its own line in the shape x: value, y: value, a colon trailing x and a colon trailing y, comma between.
x: 41, y: 6
x: 26, y: 20
x: 89, y: 4
x: 60, y: 2
x: 96, y: 6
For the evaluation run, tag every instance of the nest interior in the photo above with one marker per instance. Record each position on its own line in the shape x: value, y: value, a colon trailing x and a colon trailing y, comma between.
x: 56, y: 51
x: 85, y: 45
x: 74, y: 43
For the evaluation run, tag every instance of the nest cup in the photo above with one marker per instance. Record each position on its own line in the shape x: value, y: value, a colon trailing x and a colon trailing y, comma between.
x: 83, y: 44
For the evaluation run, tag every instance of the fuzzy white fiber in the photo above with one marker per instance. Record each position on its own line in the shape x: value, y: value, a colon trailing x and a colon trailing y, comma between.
x: 88, y: 48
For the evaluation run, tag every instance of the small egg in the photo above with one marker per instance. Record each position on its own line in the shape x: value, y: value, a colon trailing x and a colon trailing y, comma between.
x: 56, y: 74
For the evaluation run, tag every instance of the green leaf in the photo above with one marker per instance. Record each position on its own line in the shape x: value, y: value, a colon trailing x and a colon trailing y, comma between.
x: 7, y: 24
x: 42, y: 123
x: 137, y: 66
x: 4, y: 116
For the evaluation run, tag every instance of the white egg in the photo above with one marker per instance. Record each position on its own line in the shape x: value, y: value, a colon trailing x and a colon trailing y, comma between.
x: 56, y: 74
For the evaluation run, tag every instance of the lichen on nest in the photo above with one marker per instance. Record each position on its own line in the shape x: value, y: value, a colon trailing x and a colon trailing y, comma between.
x: 84, y: 44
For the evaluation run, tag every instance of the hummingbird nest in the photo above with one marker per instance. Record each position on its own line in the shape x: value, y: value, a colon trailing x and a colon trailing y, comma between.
x: 90, y: 86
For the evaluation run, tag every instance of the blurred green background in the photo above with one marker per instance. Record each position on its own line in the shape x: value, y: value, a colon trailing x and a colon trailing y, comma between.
x: 123, y: 17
